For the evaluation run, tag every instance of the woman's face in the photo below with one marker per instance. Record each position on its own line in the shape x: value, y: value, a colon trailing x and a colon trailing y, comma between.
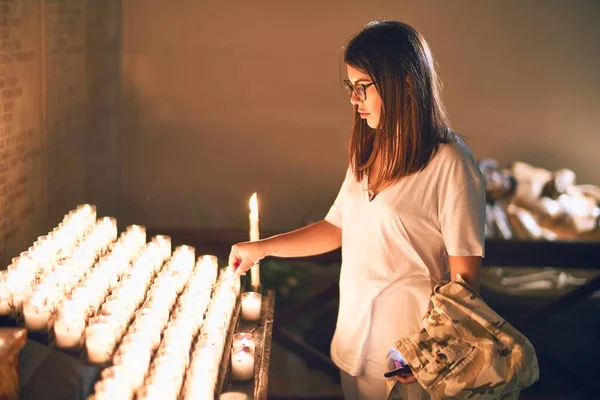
x: 369, y: 108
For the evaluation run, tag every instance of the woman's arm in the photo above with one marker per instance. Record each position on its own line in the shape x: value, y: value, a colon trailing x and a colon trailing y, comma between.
x: 316, y: 238
x: 468, y: 267
x: 310, y: 240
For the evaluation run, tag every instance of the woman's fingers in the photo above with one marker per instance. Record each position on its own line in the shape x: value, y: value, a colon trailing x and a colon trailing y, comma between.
x: 234, y: 257
x: 243, y: 256
x: 406, y: 379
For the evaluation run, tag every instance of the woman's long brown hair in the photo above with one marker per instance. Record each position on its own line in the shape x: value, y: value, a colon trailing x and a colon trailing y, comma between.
x: 413, y: 120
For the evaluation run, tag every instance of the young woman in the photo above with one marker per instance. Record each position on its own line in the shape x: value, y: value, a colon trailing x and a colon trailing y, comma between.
x: 410, y: 211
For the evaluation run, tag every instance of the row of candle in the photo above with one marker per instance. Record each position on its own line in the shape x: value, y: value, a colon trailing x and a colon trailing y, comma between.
x: 146, y: 284
x: 86, y: 299
x: 187, y: 324
x: 202, y: 374
x: 131, y: 361
x: 45, y: 297
x: 29, y: 268
x: 82, y: 261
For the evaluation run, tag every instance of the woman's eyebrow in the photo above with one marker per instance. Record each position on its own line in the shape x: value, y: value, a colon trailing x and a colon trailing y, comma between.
x: 360, y: 80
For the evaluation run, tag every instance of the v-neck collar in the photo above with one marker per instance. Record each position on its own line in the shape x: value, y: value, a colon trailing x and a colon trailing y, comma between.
x: 369, y: 194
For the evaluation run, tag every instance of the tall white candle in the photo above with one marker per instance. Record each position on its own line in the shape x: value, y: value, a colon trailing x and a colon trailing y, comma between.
x: 254, y: 235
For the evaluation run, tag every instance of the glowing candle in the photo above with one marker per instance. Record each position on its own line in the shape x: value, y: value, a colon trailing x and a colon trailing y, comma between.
x: 165, y: 245
x: 254, y: 236
x: 37, y: 315
x: 209, y: 261
x: 99, y: 348
x: 242, y: 363
x: 68, y: 333
x: 244, y: 339
x: 251, y: 303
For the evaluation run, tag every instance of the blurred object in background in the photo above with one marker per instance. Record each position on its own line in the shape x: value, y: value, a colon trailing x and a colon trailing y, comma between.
x: 527, y: 202
x: 531, y: 281
x: 530, y: 203
x: 499, y: 183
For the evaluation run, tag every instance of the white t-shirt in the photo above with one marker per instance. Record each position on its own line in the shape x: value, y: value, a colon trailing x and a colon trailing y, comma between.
x: 395, y: 248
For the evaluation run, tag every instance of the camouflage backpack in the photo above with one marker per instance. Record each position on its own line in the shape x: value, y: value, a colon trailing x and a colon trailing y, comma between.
x: 466, y: 350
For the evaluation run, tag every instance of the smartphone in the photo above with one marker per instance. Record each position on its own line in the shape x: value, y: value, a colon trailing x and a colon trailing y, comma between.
x: 404, y: 369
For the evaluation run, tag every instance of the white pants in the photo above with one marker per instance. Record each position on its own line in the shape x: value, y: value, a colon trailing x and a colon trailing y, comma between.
x: 366, y: 387
x: 363, y: 387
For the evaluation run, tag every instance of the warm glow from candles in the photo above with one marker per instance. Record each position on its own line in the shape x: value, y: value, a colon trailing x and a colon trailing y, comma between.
x: 113, y: 296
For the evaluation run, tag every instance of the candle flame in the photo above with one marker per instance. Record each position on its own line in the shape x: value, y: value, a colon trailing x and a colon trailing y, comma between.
x: 254, y: 203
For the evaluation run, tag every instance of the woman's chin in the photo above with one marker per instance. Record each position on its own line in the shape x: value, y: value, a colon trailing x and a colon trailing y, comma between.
x: 372, y: 124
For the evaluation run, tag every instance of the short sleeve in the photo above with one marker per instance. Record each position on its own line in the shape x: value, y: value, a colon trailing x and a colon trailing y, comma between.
x: 334, y: 216
x: 461, y: 206
x: 463, y: 221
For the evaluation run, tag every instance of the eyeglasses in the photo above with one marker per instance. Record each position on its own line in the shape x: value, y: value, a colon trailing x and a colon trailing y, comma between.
x: 360, y: 89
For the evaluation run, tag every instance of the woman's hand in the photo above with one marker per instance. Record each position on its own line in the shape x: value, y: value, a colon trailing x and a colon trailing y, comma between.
x: 245, y: 254
x: 406, y: 378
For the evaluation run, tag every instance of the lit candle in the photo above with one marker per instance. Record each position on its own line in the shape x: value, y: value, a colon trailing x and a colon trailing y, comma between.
x: 251, y: 303
x: 68, y: 333
x: 254, y: 236
x: 243, y: 339
x: 209, y: 261
x: 111, y: 226
x: 165, y: 245
x: 37, y: 315
x: 99, y: 348
x: 242, y: 363
x: 138, y: 232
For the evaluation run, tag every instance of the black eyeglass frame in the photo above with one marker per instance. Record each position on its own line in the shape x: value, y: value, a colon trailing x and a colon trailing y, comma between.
x: 352, y: 89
